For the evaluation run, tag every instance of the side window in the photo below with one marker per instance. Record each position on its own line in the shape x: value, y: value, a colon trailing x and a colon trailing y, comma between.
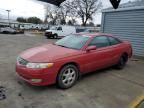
x: 100, y: 41
x: 114, y: 41
x: 59, y: 28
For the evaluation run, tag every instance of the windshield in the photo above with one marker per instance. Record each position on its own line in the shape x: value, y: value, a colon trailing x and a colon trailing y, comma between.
x: 53, y: 28
x: 73, y: 42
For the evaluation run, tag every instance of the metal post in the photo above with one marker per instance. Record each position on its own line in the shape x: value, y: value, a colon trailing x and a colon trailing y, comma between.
x: 8, y: 16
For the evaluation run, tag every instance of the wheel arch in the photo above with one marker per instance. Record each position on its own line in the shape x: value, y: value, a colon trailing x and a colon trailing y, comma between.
x: 70, y: 63
x: 124, y: 53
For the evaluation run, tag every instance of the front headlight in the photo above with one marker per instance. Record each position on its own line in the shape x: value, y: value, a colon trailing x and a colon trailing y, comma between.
x: 39, y: 65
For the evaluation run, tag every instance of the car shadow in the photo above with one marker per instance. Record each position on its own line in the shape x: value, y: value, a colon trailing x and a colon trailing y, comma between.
x: 40, y: 88
x: 98, y: 72
x: 101, y: 72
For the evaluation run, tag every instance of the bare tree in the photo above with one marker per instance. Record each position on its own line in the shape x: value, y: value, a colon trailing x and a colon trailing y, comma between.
x: 71, y: 10
x: 84, y: 9
x: 56, y: 15
x: 64, y: 11
x: 51, y: 14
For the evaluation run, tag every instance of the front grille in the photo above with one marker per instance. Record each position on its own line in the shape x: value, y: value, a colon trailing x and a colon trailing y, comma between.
x: 22, y: 61
x: 48, y: 33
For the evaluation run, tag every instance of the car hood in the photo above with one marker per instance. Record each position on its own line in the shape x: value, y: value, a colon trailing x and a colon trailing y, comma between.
x: 47, y: 53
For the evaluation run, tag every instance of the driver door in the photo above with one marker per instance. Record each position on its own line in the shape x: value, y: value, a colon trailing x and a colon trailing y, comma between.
x: 101, y: 57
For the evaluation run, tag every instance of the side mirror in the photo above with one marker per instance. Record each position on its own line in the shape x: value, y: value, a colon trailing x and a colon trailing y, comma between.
x: 89, y: 48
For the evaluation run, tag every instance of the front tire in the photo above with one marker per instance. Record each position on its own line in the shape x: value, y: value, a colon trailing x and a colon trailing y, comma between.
x: 67, y: 76
x: 55, y: 36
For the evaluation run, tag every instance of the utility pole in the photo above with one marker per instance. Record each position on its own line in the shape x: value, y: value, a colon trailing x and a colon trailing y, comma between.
x: 8, y: 16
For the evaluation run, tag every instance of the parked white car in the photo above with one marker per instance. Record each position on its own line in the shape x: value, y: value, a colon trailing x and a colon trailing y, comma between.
x: 7, y: 30
x: 60, y: 31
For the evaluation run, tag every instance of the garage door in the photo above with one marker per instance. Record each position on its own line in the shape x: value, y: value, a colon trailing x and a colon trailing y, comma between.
x: 127, y: 25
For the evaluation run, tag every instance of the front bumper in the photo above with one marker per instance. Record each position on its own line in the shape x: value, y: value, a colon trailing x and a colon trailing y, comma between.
x: 48, y: 34
x: 38, y: 77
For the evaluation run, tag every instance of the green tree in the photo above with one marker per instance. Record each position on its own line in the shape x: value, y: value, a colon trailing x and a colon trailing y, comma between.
x: 21, y: 19
x: 34, y: 20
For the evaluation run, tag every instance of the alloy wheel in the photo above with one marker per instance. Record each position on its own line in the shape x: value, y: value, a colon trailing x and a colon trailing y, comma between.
x: 69, y: 76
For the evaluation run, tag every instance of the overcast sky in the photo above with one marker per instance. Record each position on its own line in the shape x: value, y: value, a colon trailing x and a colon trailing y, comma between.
x: 27, y: 8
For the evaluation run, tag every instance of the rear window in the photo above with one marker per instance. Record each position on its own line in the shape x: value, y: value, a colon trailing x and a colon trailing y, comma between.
x: 100, y: 41
x: 114, y: 41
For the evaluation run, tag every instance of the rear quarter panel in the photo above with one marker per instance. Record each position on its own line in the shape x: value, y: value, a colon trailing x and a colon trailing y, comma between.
x: 128, y: 48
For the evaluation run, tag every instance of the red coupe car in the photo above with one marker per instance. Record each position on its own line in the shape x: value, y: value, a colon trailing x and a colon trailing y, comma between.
x: 64, y: 61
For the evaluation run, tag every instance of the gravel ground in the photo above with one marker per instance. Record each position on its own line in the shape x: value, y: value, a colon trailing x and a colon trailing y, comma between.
x: 109, y: 88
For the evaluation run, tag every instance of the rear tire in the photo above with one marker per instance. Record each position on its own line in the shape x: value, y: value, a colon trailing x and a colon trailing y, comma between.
x: 67, y: 76
x: 55, y: 36
x: 122, y: 62
x: 48, y: 37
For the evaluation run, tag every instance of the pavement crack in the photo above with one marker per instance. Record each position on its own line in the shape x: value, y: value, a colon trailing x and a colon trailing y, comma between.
x: 20, y: 95
x: 128, y: 80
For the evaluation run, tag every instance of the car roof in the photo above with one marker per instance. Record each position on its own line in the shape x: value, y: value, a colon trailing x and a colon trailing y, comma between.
x: 95, y: 34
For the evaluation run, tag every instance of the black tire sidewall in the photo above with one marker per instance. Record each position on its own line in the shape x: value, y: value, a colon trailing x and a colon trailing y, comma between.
x: 120, y: 65
x: 55, y: 36
x: 59, y: 77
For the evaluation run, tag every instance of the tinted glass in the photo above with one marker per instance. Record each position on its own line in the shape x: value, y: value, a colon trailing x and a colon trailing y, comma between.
x: 73, y: 41
x: 100, y: 41
x: 114, y: 41
x: 59, y: 28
